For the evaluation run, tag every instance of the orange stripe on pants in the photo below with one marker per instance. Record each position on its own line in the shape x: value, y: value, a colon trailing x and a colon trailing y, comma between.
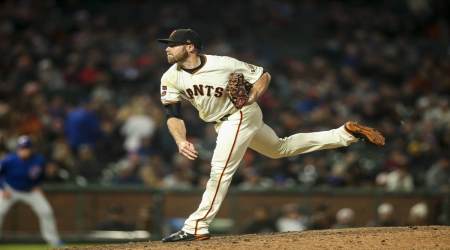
x: 221, y: 175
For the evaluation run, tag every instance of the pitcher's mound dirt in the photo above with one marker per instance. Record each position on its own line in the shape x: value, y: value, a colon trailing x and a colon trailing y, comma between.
x: 431, y: 237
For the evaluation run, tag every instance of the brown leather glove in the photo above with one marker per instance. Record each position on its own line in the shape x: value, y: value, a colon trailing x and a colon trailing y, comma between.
x: 238, y: 89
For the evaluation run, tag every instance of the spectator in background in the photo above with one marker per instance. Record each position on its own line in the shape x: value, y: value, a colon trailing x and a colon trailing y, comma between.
x: 418, y: 214
x: 338, y: 177
x: 152, y: 172
x: 23, y: 71
x: 126, y: 171
x: 55, y: 114
x: 274, y: 173
x: 180, y: 178
x: 87, y: 166
x: 82, y: 126
x: 321, y: 218
x: 291, y: 219
x: 55, y: 174
x: 29, y: 119
x: 110, y: 145
x: 345, y: 218
x: 50, y: 76
x: 385, y: 216
x: 63, y: 155
x: 138, y: 125
x: 309, y: 173
x: 345, y: 170
x: 181, y: 175
x: 399, y: 179
x: 252, y: 180
x: 261, y: 222
x: 438, y: 176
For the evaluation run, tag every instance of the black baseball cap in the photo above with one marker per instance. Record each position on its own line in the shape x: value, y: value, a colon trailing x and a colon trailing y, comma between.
x: 181, y: 37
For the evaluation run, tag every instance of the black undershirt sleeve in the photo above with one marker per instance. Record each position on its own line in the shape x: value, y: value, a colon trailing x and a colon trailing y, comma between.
x: 173, y: 110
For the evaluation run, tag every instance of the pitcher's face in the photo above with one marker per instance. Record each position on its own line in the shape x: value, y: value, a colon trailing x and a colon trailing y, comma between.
x: 176, y: 54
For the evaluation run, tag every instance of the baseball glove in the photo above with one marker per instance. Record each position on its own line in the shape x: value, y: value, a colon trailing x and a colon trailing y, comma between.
x: 238, y: 89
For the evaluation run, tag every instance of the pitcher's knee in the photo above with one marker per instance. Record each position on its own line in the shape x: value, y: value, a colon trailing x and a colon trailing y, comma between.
x: 279, y: 152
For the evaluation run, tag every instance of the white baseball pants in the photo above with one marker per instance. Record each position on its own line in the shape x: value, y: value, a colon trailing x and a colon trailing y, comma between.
x: 245, y: 128
x: 37, y: 201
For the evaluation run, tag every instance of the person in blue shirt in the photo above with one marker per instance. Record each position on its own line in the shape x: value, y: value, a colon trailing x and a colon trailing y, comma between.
x: 21, y: 174
x: 82, y: 127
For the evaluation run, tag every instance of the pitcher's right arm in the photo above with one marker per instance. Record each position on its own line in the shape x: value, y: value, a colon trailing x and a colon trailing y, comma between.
x: 171, y: 99
x: 177, y: 129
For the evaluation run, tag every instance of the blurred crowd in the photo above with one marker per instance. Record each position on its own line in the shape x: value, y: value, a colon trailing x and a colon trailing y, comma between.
x: 293, y: 217
x: 82, y: 78
x: 288, y: 218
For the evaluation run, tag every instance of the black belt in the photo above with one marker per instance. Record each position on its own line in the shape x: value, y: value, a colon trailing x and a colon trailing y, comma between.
x: 224, y: 118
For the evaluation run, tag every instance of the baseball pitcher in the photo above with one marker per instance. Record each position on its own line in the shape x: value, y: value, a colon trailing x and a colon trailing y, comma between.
x: 21, y: 173
x: 225, y: 91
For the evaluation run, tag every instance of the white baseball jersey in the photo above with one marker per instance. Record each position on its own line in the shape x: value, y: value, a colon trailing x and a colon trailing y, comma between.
x: 205, y: 88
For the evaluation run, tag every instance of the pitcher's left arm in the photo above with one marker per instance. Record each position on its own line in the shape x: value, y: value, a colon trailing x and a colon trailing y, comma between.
x: 259, y: 87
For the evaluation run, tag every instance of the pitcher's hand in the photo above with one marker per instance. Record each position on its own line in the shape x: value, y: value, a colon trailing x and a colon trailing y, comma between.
x: 188, y: 150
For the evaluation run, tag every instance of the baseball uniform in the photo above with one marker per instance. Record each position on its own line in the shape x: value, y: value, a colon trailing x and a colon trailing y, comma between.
x: 236, y: 129
x: 19, y: 177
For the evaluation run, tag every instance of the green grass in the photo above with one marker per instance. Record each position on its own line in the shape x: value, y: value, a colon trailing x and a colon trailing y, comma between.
x: 24, y: 247
x: 36, y: 246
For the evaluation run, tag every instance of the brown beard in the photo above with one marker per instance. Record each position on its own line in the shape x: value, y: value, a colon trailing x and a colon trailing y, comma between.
x: 178, y: 58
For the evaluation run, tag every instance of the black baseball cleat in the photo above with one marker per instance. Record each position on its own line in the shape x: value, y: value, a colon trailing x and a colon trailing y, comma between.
x: 183, y: 236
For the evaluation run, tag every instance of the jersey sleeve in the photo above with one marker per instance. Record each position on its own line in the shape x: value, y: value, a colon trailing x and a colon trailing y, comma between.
x: 251, y: 72
x: 169, y: 92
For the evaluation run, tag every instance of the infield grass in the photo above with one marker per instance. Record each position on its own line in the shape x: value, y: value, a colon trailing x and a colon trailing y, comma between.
x: 24, y: 247
x: 36, y: 246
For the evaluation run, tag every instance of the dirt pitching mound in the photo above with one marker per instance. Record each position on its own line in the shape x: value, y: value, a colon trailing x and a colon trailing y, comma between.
x: 431, y: 237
